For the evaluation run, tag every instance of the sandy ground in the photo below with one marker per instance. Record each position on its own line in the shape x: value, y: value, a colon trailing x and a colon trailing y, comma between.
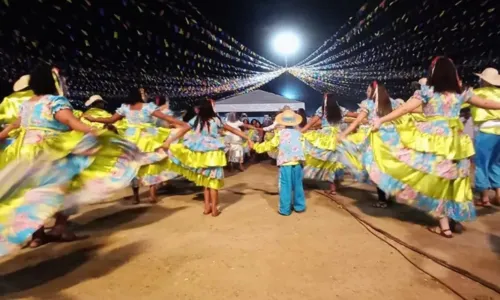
x: 172, y: 251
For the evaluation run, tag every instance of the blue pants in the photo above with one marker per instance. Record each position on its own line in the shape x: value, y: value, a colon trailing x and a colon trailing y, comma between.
x: 487, y: 161
x: 291, y: 190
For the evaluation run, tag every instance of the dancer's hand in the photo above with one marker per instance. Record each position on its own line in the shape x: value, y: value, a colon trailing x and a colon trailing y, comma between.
x: 341, y: 137
x: 250, y: 144
x: 376, y: 124
x: 89, y: 118
x: 94, y: 132
x: 165, y: 145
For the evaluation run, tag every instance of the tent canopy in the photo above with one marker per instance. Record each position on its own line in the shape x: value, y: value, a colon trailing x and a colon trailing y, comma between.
x: 256, y: 101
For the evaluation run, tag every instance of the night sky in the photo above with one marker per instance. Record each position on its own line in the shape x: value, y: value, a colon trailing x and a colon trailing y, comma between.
x: 188, y: 53
x: 255, y: 22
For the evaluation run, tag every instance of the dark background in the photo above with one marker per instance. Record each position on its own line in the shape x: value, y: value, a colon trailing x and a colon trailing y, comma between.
x: 255, y: 22
x: 77, y: 36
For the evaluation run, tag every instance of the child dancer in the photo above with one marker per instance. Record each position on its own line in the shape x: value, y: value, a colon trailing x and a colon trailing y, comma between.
x: 487, y: 142
x: 290, y: 156
x: 200, y: 158
x: 378, y: 104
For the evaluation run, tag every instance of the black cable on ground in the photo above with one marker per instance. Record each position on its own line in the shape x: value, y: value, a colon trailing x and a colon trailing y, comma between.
x: 439, y: 261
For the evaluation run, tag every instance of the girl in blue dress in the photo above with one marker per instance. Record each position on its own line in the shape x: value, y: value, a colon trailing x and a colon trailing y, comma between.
x: 200, y: 157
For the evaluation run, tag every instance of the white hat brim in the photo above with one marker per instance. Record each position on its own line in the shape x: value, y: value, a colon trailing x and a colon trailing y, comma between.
x: 89, y: 102
x: 495, y: 80
x: 21, y: 83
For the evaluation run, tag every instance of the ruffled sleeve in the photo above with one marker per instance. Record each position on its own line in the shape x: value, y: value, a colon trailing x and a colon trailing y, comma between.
x: 58, y: 103
x: 424, y: 94
x: 267, y: 146
x: 150, y: 108
x: 366, y: 106
x: 122, y: 110
x: 466, y: 95
x: 319, y: 112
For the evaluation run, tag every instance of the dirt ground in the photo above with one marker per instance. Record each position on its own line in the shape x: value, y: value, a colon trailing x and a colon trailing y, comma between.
x: 172, y: 251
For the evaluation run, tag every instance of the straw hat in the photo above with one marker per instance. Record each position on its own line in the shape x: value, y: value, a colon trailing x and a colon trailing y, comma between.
x: 490, y: 75
x: 93, y: 99
x: 422, y: 81
x: 288, y: 118
x: 21, y: 83
x: 286, y: 107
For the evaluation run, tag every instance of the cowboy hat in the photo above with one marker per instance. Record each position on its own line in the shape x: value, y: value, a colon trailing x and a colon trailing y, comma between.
x: 490, y: 75
x: 21, y: 83
x: 288, y: 118
x: 93, y: 99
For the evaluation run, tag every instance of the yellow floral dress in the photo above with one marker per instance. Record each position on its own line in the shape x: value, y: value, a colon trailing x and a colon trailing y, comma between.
x: 49, y: 168
x: 423, y: 163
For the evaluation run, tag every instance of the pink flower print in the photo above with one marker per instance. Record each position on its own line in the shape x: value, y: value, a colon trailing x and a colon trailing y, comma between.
x: 424, y: 126
x: 375, y: 174
x: 447, y: 169
x: 404, y: 156
x: 407, y: 194
x: 22, y: 222
x: 33, y: 137
x: 439, y: 131
x: 295, y: 149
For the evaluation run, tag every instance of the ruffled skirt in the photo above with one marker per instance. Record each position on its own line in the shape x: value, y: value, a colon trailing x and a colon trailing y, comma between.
x: 45, y: 172
x: 155, y: 165
x: 423, y: 164
x: 200, y: 159
x: 322, y: 161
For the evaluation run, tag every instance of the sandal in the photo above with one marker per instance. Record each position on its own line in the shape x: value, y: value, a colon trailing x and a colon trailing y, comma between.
x: 216, y: 213
x: 441, y: 232
x: 482, y: 203
x: 457, y: 227
x: 37, y: 242
x: 381, y: 204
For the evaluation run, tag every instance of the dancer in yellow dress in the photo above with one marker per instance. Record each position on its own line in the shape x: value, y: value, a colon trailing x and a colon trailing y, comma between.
x: 49, y: 168
x: 142, y: 131
x: 427, y: 164
x: 96, y: 109
x: 9, y: 107
x: 378, y: 104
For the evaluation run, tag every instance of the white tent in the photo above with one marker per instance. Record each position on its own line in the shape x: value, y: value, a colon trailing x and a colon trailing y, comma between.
x: 256, y: 101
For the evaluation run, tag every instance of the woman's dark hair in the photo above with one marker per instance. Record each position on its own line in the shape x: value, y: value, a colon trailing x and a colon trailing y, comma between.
x: 245, y: 121
x: 332, y: 110
x: 162, y: 100
x: 42, y: 81
x: 443, y: 76
x: 134, y: 96
x: 255, y: 122
x: 206, y: 113
x: 302, y: 113
x: 384, y: 101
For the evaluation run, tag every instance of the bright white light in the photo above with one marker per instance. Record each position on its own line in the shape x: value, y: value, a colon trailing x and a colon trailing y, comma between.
x: 289, y: 95
x: 286, y: 43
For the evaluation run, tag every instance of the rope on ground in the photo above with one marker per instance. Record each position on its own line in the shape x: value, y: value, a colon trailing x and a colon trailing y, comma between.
x: 437, y: 260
